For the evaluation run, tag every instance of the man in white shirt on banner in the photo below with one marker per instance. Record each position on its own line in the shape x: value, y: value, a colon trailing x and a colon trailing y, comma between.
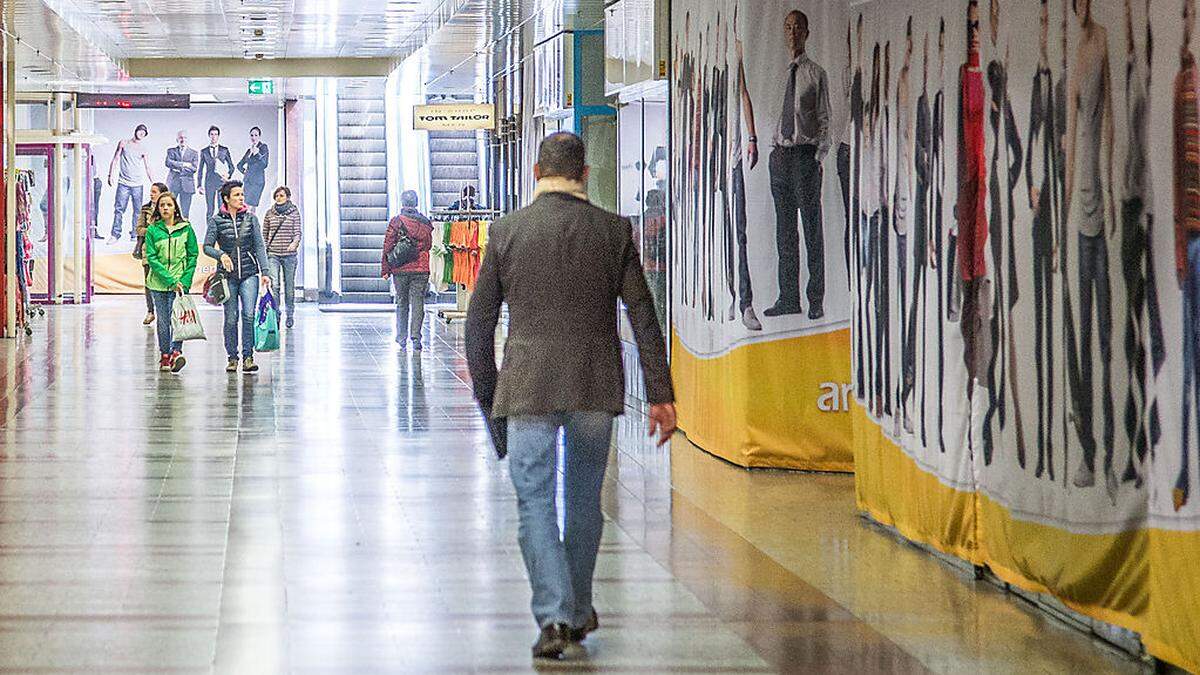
x: 801, y: 143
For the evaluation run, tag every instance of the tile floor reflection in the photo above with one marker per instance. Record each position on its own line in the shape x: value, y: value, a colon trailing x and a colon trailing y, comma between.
x: 342, y: 512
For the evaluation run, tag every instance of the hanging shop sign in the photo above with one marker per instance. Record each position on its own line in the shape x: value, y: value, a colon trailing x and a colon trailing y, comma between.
x: 454, y: 117
x: 133, y: 101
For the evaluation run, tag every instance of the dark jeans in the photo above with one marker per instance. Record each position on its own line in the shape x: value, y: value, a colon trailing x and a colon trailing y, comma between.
x: 241, y: 308
x: 1043, y: 328
x: 283, y: 279
x: 919, y: 305
x: 127, y: 195
x: 878, y: 265
x: 745, y: 293
x: 1191, y: 364
x: 796, y: 189
x: 902, y: 287
x: 843, y: 169
x: 211, y: 188
x: 1095, y: 300
x: 410, y: 303
x: 163, y: 302
x: 94, y: 210
x: 1142, y: 422
x: 149, y: 300
x: 185, y: 202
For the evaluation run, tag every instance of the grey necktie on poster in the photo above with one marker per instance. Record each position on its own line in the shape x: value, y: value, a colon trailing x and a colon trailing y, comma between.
x: 788, y: 127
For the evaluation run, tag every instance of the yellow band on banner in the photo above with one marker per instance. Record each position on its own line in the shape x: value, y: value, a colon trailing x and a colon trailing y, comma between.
x: 1173, y: 629
x: 1156, y: 568
x: 779, y: 404
x: 893, y: 490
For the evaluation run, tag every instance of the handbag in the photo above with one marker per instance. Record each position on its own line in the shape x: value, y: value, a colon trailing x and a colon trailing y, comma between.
x: 185, y: 320
x: 405, y: 250
x: 216, y: 288
x: 266, y: 328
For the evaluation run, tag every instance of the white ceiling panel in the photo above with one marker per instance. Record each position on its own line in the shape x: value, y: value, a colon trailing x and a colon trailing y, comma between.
x: 84, y: 44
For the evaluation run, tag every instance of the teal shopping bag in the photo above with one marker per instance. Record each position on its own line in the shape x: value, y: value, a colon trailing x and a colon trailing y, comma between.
x: 266, y: 328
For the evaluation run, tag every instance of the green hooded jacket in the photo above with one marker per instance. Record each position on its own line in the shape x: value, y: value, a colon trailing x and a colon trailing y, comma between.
x: 171, y: 254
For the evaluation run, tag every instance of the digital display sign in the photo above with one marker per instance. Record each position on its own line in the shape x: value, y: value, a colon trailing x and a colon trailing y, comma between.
x: 133, y: 101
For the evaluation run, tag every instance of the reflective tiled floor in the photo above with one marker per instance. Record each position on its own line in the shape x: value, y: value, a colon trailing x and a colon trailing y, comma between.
x: 341, y: 511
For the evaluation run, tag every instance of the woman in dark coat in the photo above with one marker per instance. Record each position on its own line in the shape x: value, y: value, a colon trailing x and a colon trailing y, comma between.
x: 254, y: 168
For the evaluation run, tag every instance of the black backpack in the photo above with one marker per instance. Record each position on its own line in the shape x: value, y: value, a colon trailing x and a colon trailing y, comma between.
x: 405, y: 250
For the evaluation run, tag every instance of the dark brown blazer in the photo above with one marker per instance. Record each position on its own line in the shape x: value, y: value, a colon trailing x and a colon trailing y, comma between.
x: 561, y: 265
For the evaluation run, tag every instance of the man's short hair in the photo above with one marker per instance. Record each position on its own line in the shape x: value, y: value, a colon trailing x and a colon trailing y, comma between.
x: 800, y: 17
x: 214, y: 128
x: 227, y: 188
x: 562, y: 154
x: 409, y: 199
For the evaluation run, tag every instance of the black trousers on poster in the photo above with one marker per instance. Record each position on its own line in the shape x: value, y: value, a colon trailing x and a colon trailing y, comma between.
x: 1142, y: 422
x: 919, y: 303
x: 843, y: 168
x: 744, y: 294
x: 902, y: 288
x: 796, y: 188
x: 1043, y: 327
x: 883, y: 313
x: 211, y: 188
x: 1095, y: 311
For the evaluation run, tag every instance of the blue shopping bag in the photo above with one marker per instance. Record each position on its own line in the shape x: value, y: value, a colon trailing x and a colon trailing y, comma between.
x: 266, y: 327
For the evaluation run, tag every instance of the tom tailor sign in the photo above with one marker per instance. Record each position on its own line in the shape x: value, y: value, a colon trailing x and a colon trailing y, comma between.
x: 454, y: 116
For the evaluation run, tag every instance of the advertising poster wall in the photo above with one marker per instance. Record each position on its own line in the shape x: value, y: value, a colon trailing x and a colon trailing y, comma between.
x: 761, y: 300
x: 1024, y: 368
x: 115, y: 268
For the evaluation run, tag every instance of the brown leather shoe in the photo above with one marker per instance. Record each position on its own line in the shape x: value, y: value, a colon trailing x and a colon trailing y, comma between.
x: 552, y: 641
x: 589, y: 626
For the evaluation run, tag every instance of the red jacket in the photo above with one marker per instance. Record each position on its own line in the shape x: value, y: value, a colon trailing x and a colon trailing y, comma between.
x: 971, y: 209
x: 420, y: 230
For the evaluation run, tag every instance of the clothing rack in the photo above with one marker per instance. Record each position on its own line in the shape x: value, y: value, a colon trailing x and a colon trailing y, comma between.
x: 462, y: 297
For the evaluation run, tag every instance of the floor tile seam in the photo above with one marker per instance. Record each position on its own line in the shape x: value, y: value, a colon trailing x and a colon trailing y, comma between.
x: 675, y: 531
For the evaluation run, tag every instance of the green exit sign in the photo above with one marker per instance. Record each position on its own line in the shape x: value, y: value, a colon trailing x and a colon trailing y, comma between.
x: 261, y: 87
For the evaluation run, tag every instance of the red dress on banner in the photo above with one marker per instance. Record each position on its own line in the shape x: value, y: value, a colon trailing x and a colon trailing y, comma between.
x: 971, y: 211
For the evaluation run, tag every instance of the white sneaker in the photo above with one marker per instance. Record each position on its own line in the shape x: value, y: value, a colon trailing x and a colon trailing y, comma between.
x: 750, y: 320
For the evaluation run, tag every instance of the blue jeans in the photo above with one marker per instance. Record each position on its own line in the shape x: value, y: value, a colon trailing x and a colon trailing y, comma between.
x: 1191, y: 349
x: 126, y: 195
x: 283, y: 279
x: 560, y: 563
x: 163, y: 302
x: 244, y: 292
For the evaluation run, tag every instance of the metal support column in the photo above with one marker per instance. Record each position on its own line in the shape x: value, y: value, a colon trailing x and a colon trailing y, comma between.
x: 79, y: 238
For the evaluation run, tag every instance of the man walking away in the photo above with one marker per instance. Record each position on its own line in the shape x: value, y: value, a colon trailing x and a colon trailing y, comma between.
x: 561, y: 265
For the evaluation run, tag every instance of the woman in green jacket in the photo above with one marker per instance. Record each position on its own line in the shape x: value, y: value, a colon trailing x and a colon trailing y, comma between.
x: 171, y: 251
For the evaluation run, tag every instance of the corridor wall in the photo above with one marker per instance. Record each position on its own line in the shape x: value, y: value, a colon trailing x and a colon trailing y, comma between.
x: 1024, y: 365
x: 760, y: 278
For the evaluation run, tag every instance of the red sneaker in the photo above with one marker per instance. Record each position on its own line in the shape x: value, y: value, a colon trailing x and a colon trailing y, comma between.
x: 164, y: 363
x: 178, y: 361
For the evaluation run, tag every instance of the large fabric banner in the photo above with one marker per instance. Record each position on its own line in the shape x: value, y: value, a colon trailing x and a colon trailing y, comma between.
x: 1026, y: 240
x: 760, y: 285
x: 192, y: 152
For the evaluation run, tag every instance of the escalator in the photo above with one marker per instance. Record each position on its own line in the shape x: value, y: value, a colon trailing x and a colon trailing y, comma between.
x: 362, y: 187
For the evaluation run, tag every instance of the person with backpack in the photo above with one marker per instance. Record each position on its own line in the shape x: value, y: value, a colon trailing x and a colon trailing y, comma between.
x: 146, y: 218
x: 170, y: 250
x: 406, y: 260
x: 235, y: 240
